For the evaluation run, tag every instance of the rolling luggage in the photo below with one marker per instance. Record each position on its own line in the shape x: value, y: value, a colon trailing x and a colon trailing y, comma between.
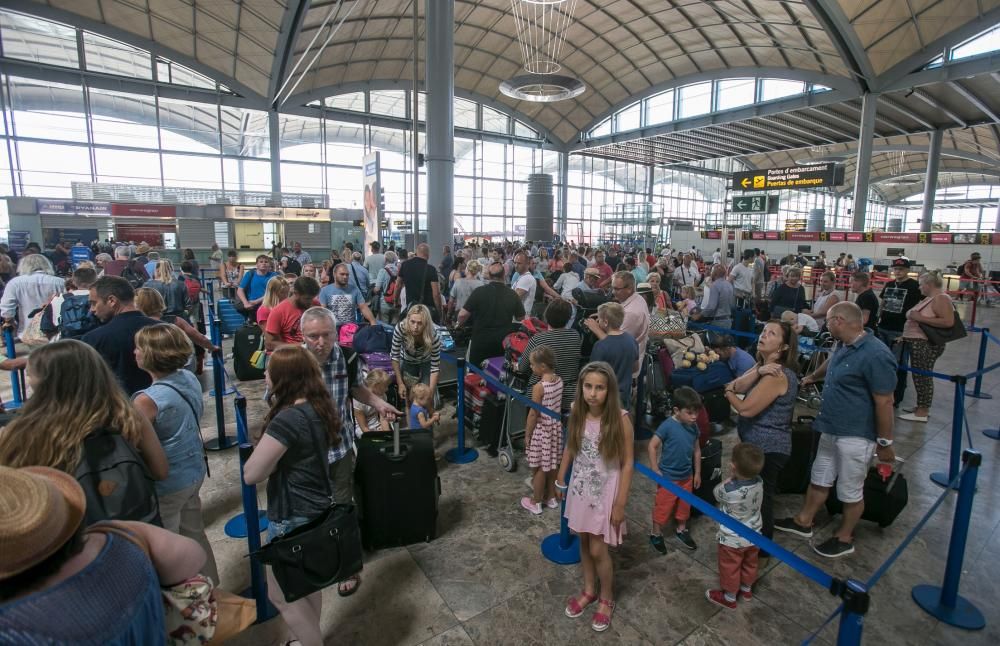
x: 794, y: 477
x: 230, y: 318
x: 399, y: 487
x: 248, y: 340
x: 717, y: 405
x: 487, y: 423
x: 884, y: 498
x: 711, y: 473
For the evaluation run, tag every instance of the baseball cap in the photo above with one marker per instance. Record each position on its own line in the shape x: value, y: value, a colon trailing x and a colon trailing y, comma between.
x: 975, y: 255
x: 901, y: 262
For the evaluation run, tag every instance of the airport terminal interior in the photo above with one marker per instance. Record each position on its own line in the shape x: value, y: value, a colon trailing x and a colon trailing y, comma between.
x: 805, y: 129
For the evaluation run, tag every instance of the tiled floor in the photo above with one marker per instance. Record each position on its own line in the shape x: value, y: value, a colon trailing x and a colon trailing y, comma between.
x: 484, y: 580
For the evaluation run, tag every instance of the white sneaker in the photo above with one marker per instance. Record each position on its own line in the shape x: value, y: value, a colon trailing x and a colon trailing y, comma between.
x: 552, y: 503
x: 913, y: 417
x: 533, y: 507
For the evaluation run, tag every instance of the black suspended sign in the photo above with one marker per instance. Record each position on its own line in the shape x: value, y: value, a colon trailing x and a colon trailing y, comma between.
x: 811, y: 176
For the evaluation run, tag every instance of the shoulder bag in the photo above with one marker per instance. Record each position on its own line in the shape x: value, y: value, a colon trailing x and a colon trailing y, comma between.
x: 322, y: 552
x: 943, y: 335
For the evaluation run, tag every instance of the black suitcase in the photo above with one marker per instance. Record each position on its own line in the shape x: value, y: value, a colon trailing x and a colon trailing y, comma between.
x: 398, y: 489
x: 711, y: 473
x: 717, y: 405
x: 794, y: 476
x: 489, y: 421
x: 247, y: 340
x: 884, y: 499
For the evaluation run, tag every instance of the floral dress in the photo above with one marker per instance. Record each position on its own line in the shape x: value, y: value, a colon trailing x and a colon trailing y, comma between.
x: 593, y: 488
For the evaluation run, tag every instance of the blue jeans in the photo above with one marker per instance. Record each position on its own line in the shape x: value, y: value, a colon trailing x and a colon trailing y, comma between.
x: 277, y: 528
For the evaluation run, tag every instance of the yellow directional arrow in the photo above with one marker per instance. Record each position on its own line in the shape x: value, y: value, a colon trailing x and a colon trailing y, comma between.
x: 745, y: 182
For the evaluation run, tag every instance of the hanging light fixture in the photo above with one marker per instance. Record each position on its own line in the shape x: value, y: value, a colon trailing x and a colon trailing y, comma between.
x: 541, y: 32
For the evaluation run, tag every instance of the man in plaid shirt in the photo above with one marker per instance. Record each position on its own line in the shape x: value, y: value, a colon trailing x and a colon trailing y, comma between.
x: 340, y: 371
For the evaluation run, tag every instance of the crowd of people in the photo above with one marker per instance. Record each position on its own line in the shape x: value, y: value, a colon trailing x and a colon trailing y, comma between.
x: 116, y: 363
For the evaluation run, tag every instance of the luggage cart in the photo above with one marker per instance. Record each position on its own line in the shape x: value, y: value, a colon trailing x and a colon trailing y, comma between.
x: 515, y: 417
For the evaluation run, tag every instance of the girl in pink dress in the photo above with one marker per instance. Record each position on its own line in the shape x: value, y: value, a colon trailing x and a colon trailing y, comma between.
x: 599, y: 444
x: 543, y: 432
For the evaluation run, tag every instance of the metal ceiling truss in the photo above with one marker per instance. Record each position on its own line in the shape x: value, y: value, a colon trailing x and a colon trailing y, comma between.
x: 929, y: 100
x: 975, y: 100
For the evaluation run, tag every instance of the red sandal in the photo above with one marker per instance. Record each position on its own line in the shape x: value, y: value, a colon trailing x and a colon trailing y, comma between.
x: 573, y: 607
x: 603, y: 621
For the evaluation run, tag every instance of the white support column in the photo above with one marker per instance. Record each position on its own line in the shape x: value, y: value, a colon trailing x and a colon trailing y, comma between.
x: 930, y: 181
x: 440, y: 85
x: 863, y: 171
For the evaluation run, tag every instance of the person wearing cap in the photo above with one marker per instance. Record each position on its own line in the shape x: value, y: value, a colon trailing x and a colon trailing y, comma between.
x: 899, y: 296
x: 61, y: 582
x: 972, y: 271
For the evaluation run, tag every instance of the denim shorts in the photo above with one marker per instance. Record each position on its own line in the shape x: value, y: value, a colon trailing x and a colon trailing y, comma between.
x: 276, y: 528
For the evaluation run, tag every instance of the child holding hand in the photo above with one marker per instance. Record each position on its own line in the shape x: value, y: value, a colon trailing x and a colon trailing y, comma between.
x: 740, y: 497
x: 366, y: 417
x: 599, y: 444
x: 422, y: 413
x: 543, y: 433
x: 678, y: 437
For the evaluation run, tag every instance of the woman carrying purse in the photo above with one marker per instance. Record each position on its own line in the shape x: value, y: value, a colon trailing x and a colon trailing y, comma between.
x: 935, y: 311
x: 302, y: 417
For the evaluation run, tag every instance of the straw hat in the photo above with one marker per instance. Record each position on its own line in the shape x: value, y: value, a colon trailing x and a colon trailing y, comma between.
x: 142, y: 249
x: 40, y: 510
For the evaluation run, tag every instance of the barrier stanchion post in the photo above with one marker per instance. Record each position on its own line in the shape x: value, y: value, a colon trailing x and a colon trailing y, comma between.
x: 958, y: 418
x: 236, y: 527
x: 215, y: 334
x: 977, y: 389
x: 254, y: 522
x: 461, y: 454
x: 562, y: 548
x: 852, y: 619
x: 943, y: 602
x: 16, y: 376
x: 221, y: 441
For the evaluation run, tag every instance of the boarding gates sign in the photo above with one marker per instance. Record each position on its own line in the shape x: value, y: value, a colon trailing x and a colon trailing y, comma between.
x: 811, y: 176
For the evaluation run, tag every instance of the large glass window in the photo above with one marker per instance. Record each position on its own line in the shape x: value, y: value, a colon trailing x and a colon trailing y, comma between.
x: 984, y: 43
x: 660, y: 108
x: 735, y: 93
x: 629, y: 118
x: 47, y: 110
x: 113, y: 57
x: 188, y: 126
x: 39, y: 41
x: 694, y: 100
x: 771, y: 89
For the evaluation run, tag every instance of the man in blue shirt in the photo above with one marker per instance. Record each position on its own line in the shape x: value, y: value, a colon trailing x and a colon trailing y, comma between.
x: 738, y: 359
x: 359, y: 276
x: 250, y: 293
x: 343, y: 299
x: 856, y: 418
x: 112, y: 301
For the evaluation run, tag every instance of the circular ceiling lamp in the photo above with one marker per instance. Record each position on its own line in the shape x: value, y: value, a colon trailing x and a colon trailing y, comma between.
x: 541, y: 32
x: 542, y: 88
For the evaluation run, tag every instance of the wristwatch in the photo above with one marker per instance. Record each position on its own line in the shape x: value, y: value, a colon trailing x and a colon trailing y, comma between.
x: 884, y: 442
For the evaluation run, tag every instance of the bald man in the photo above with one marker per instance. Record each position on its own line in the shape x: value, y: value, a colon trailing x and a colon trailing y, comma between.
x: 420, y: 279
x: 856, y: 418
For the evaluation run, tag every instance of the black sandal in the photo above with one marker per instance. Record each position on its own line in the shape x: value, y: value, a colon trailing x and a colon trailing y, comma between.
x: 357, y: 584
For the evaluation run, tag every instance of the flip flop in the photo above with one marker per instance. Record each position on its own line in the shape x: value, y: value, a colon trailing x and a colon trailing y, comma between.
x: 346, y: 593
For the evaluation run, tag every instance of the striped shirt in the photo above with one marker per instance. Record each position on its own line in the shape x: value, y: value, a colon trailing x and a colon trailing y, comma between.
x: 565, y: 345
x: 419, y: 354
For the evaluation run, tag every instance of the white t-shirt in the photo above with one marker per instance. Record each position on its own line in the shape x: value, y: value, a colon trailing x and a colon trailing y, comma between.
x: 686, y: 275
x: 566, y: 283
x: 716, y: 257
x: 527, y: 283
x: 808, y: 323
x: 742, y: 277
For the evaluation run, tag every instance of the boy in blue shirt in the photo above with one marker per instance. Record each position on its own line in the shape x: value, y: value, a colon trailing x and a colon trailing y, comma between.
x: 680, y: 461
x: 619, y: 349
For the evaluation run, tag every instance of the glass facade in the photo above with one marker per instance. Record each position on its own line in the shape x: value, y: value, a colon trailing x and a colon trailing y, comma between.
x: 187, y: 130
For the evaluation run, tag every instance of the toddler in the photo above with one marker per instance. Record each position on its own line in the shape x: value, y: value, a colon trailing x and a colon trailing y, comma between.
x: 365, y: 416
x: 422, y: 413
x: 687, y: 304
x: 543, y: 433
x: 740, y: 497
x: 678, y: 436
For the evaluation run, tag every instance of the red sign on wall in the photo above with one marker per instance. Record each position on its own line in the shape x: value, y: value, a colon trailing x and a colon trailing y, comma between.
x: 854, y: 236
x: 757, y: 235
x: 151, y: 234
x: 713, y: 235
x: 802, y: 235
x: 836, y: 236
x: 941, y: 238
x: 884, y: 236
x: 772, y: 235
x: 145, y: 210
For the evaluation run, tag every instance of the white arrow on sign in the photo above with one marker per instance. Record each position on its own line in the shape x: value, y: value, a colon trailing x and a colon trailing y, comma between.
x: 741, y: 204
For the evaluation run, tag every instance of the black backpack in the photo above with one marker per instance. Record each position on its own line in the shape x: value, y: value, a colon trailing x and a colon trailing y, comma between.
x: 75, y: 318
x: 133, y: 277
x: 116, y: 481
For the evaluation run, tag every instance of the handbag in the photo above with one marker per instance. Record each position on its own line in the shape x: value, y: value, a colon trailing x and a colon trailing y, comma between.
x: 313, y: 556
x: 194, y: 611
x: 943, y: 335
x: 666, y: 323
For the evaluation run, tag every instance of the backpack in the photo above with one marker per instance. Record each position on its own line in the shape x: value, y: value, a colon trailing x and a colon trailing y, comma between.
x: 531, y: 325
x: 133, y: 277
x: 372, y: 338
x: 116, y: 481
x: 390, y: 297
x: 75, y: 318
x: 193, y: 287
x: 514, y: 345
x: 345, y: 335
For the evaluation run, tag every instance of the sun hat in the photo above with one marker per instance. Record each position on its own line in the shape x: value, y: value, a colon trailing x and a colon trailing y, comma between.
x: 143, y: 248
x: 40, y: 510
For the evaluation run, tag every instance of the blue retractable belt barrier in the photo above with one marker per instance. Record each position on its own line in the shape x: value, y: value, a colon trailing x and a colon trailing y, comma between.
x: 943, y: 602
x: 221, y: 441
x: 563, y: 547
x: 254, y: 522
x: 17, y: 382
x: 460, y: 454
x: 513, y: 394
x: 977, y: 389
x: 955, y: 456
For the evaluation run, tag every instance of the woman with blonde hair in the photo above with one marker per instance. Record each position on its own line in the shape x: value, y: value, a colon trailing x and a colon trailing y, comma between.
x: 291, y: 454
x: 464, y: 287
x: 173, y: 289
x: 416, y: 350
x: 276, y: 291
x: 150, y: 303
x: 173, y: 405
x: 937, y: 311
x: 74, y: 395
